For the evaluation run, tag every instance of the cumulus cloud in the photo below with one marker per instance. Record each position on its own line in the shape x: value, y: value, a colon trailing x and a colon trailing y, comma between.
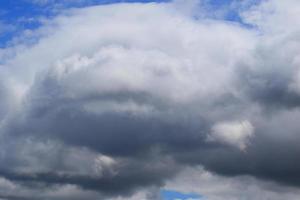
x: 232, y: 133
x: 111, y: 100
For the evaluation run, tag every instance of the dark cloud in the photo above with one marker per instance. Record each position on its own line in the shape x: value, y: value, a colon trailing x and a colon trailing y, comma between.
x: 129, y: 177
x: 120, y: 108
x: 12, y: 197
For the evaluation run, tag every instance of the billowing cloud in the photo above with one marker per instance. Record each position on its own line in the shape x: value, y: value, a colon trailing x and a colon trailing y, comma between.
x: 111, y: 100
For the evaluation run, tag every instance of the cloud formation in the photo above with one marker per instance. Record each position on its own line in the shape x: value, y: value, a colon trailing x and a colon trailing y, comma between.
x: 112, y: 100
x: 232, y: 133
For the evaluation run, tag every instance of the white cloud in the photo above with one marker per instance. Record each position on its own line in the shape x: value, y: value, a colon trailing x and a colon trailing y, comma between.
x: 236, y: 133
x: 114, y: 48
x: 274, y: 16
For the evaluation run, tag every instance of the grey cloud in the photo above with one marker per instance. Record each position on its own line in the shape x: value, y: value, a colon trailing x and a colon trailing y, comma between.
x: 215, y: 187
x: 129, y: 177
x: 126, y: 83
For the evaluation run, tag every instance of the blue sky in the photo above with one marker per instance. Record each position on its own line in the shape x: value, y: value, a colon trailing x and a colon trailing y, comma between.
x: 171, y: 195
x: 20, y: 15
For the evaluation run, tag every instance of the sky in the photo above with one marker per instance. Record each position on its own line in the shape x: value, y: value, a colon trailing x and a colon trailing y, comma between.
x: 149, y: 100
x: 27, y: 14
x: 171, y: 195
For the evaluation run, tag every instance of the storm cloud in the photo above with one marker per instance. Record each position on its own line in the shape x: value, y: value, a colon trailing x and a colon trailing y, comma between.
x: 111, y: 100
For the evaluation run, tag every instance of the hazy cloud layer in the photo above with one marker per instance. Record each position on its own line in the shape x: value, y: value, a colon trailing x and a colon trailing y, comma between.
x: 112, y: 100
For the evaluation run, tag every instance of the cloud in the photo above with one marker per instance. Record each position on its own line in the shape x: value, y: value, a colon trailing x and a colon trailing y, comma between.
x: 214, y: 187
x: 232, y: 133
x: 111, y: 100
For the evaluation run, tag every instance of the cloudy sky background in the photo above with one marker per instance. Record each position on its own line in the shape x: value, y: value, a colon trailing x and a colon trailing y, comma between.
x: 145, y: 100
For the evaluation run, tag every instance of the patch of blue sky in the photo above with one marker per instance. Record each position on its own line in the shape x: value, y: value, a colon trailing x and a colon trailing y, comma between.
x: 24, y: 15
x: 19, y: 15
x: 230, y: 9
x: 174, y: 195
